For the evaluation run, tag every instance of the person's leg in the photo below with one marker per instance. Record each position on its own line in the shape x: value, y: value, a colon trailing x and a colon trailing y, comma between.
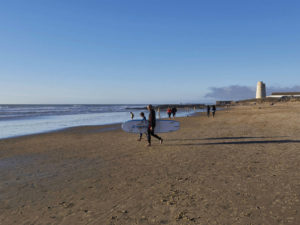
x: 156, y: 136
x: 141, y: 134
x: 149, y: 136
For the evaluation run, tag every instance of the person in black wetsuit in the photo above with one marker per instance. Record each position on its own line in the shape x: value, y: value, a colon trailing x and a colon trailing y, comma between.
x: 174, y: 111
x: 208, y: 110
x: 213, y: 110
x: 144, y: 120
x: 151, y: 126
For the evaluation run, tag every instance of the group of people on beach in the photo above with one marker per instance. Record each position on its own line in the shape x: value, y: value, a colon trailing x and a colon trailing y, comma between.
x: 152, y: 121
x: 213, y: 110
x: 171, y: 112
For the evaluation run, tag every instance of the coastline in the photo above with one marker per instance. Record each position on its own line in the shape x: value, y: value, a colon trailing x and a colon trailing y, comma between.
x: 240, y: 167
x: 83, y: 126
x: 40, y: 125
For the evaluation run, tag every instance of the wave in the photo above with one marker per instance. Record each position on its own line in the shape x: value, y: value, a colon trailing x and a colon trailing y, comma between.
x: 12, y: 112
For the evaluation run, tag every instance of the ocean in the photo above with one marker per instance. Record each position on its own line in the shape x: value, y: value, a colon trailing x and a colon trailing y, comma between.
x: 18, y: 120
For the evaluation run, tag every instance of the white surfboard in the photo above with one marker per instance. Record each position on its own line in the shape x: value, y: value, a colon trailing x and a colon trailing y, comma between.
x: 141, y: 126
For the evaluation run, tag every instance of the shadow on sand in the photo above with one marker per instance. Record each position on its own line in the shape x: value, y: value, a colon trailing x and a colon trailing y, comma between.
x: 223, y: 138
x: 252, y: 142
x: 235, y: 142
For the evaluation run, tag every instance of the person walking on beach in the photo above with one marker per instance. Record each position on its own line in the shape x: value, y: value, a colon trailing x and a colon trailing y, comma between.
x: 132, y: 115
x: 208, y: 110
x: 151, y: 125
x: 144, y: 120
x: 213, y: 110
x: 169, y: 112
x: 174, y: 110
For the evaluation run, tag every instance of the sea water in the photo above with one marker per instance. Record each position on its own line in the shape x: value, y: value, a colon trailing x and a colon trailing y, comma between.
x: 17, y: 120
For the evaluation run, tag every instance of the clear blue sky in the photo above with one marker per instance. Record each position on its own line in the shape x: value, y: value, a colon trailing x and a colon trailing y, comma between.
x: 144, y: 51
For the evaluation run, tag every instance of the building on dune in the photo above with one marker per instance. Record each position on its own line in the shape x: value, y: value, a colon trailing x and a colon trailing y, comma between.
x: 284, y: 95
x: 224, y: 103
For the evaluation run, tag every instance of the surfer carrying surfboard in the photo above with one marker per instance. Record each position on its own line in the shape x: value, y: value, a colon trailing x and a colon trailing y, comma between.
x: 151, y: 126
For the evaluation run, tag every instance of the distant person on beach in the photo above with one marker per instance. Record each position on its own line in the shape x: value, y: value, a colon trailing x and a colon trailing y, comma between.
x: 132, y: 115
x: 151, y: 125
x: 169, y: 112
x: 174, y: 111
x: 208, y: 110
x: 213, y: 110
x: 143, y: 120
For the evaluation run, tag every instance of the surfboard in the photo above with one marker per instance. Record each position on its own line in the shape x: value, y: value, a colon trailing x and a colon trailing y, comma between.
x: 141, y: 126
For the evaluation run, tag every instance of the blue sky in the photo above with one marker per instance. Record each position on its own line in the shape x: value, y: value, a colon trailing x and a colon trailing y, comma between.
x: 151, y: 51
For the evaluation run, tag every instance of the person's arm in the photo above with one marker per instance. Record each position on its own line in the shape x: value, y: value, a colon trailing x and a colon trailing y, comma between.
x: 153, y: 119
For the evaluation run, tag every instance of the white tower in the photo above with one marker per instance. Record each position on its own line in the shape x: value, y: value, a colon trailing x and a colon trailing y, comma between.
x: 261, y: 90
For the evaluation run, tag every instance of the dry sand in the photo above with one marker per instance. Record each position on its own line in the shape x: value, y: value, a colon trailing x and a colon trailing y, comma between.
x: 242, y: 167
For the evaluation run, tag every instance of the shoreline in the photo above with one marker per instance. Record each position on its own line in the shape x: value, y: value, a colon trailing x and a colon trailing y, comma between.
x: 82, y: 126
x: 58, y: 131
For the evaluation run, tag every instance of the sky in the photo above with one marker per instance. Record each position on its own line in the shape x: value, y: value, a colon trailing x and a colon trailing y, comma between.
x: 146, y: 51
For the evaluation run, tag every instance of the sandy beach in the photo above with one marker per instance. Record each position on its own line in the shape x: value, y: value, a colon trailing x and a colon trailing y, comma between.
x: 241, y: 167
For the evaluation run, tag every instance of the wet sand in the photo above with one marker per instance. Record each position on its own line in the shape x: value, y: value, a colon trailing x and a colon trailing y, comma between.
x: 241, y: 167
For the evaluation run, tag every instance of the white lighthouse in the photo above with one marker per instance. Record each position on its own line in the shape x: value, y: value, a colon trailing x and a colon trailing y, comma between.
x: 260, y: 90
